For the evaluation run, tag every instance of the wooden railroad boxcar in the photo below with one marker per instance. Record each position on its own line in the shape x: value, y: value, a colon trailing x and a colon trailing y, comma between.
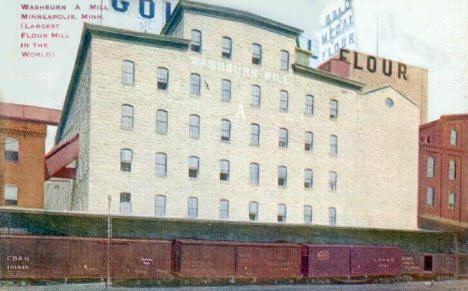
x: 219, y: 259
x: 325, y: 260
x: 424, y: 263
x: 375, y: 260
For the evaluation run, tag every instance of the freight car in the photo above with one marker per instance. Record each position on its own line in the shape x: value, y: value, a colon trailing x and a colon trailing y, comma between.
x: 48, y: 257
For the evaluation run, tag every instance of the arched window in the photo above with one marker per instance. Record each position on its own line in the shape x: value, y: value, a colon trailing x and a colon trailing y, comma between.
x: 453, y: 137
x: 224, y: 170
x: 309, y: 141
x: 194, y: 127
x: 225, y: 90
x: 282, y: 176
x: 161, y: 121
x: 451, y: 200
x: 332, y: 216
x: 256, y: 95
x: 126, y: 158
x: 128, y: 73
x: 127, y: 117
x: 308, y: 178
x: 160, y: 206
x: 284, y: 101
x: 309, y: 105
x: 226, y: 47
x: 333, y: 109
x: 307, y: 214
x: 256, y: 54
x: 125, y: 203
x: 333, y: 145
x: 192, y: 208
x: 332, y: 180
x: 225, y: 130
x: 283, y: 138
x: 254, y: 173
x: 253, y: 211
x: 430, y: 196
x: 254, y: 134
x: 452, y: 170
x: 430, y: 167
x: 284, y: 60
x: 161, y: 164
x: 195, y: 84
x: 11, y: 149
x: 281, y: 212
x: 194, y: 166
x: 163, y: 78
x: 224, y: 209
x: 196, y: 41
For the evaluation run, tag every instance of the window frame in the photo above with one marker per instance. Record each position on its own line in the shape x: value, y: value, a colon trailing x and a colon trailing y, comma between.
x: 121, y: 209
x: 163, y: 207
x: 192, y: 169
x: 284, y: 101
x: 223, y: 210
x: 282, y: 176
x: 451, y: 200
x: 226, y: 89
x: 254, y: 174
x: 453, y: 136
x: 331, y: 216
x: 333, y: 109
x: 224, y: 170
x: 7, y: 188
x: 127, y: 118
x: 284, y: 63
x: 308, y: 179
x: 332, y: 181
x: 309, y: 105
x: 256, y: 55
x: 194, y: 129
x: 161, y: 165
x: 195, y: 84
x: 254, y: 134
x: 308, y: 216
x: 129, y: 73
x: 11, y: 155
x: 253, y: 203
x: 283, y: 139
x: 333, y: 145
x: 196, y: 44
x: 125, y: 165
x: 226, y: 51
x: 225, y: 130
x: 192, y: 212
x: 452, y: 170
x: 282, y: 213
x: 255, y: 99
x: 162, y: 123
x: 308, y: 142
x: 430, y: 194
x: 162, y: 83
x: 430, y: 166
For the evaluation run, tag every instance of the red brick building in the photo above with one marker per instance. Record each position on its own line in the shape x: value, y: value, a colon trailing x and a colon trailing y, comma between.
x: 23, y: 131
x: 443, y: 172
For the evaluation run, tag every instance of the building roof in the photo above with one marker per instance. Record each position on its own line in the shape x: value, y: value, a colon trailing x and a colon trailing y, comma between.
x: 443, y: 118
x: 327, y: 77
x: 227, y: 13
x: 29, y: 113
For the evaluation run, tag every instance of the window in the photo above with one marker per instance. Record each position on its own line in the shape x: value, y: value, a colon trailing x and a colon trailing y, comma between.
x: 167, y: 11
x: 451, y: 200
x: 283, y: 138
x: 255, y: 95
x: 332, y: 177
x: 253, y: 211
x: 254, y: 173
x: 225, y: 130
x: 308, y: 178
x: 283, y: 101
x: 125, y: 203
x: 128, y: 73
x: 223, y: 209
x: 161, y: 121
x: 195, y: 45
x: 161, y: 164
x: 430, y: 196
x: 11, y: 149
x: 452, y: 173
x: 163, y: 78
x: 282, y: 176
x: 284, y: 60
x: 430, y: 167
x: 127, y: 117
x: 224, y: 170
x: 331, y: 216
x: 256, y: 54
x: 226, y: 90
x: 333, y: 109
x: 453, y: 137
x: 254, y: 134
x: 309, y: 141
x: 389, y: 102
x: 309, y: 105
x: 226, y: 48
x: 160, y: 206
x: 192, y: 208
x: 194, y: 164
x: 194, y: 128
x: 307, y: 214
x: 195, y: 84
x: 333, y: 145
x: 281, y: 212
x: 126, y: 157
x: 11, y: 195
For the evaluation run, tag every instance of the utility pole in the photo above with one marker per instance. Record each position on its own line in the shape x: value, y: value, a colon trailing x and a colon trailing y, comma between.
x: 109, y: 235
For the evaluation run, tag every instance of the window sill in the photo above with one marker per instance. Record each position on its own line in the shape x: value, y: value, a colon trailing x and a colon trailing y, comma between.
x: 161, y: 133
x: 128, y: 85
x: 166, y: 91
x: 224, y: 181
x: 308, y: 114
x: 283, y: 111
x: 194, y: 138
x: 126, y: 129
x: 282, y: 187
x: 195, y: 95
x: 332, y: 155
x: 161, y: 176
x: 193, y: 178
x: 254, y: 106
x: 254, y: 145
x: 226, y: 100
x: 225, y: 141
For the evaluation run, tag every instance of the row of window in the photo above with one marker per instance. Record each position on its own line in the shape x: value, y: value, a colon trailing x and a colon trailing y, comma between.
x: 430, y: 198
x: 226, y: 50
x: 126, y: 157
x: 225, y: 135
x: 431, y: 166
x: 195, y: 89
x: 192, y: 209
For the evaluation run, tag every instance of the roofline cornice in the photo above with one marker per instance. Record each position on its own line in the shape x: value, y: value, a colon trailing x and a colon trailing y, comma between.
x: 328, y: 77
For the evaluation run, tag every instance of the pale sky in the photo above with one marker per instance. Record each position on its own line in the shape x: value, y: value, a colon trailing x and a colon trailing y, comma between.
x: 428, y: 33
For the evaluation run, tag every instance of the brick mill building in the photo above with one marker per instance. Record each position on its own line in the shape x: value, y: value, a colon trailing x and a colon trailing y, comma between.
x: 219, y: 117
x: 23, y: 130
x: 443, y: 172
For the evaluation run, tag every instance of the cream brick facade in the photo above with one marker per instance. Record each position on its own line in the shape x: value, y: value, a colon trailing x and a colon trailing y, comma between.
x: 377, y: 145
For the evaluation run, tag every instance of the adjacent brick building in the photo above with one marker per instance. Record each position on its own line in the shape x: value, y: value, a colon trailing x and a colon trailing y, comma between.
x: 23, y: 130
x: 219, y: 117
x: 443, y: 171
